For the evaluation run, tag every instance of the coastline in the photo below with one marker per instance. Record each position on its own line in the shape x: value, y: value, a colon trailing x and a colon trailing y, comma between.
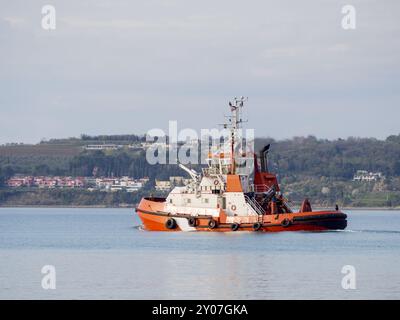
x: 70, y: 207
x: 361, y: 208
x: 128, y: 206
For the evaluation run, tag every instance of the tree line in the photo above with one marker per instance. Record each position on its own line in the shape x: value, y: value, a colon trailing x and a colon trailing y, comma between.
x: 336, y: 159
x: 300, y: 156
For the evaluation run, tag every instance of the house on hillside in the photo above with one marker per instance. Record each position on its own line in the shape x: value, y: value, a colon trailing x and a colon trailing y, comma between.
x: 162, y: 185
x: 103, y: 147
x: 365, y: 176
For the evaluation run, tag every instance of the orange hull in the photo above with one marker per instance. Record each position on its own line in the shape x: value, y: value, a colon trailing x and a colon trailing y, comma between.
x: 154, y: 218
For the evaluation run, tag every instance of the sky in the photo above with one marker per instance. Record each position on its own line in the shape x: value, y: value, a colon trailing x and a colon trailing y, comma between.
x: 118, y: 67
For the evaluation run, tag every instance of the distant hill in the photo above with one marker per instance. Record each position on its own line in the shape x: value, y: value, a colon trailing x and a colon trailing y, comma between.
x: 337, y: 159
x: 86, y: 139
x: 306, y: 166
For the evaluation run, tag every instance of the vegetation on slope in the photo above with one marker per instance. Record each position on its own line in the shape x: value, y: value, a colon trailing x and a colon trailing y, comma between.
x: 307, y: 167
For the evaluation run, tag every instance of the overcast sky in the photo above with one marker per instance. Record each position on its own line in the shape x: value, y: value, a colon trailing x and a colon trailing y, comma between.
x: 114, y: 67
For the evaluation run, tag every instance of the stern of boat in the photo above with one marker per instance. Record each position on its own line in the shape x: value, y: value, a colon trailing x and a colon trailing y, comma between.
x: 310, y: 221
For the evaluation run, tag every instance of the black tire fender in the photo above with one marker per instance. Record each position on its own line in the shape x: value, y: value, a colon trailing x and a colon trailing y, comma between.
x: 212, y: 224
x: 235, y: 226
x: 192, y: 221
x: 171, y: 224
x: 257, y: 226
x: 286, y: 223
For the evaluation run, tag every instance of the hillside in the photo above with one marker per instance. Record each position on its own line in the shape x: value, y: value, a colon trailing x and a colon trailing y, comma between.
x: 306, y: 166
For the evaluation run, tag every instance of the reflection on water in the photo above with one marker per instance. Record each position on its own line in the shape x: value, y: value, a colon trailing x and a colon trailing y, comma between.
x: 102, y: 254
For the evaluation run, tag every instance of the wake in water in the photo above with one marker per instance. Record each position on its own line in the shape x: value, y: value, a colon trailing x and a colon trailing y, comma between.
x: 377, y: 231
x: 367, y: 231
x: 139, y: 227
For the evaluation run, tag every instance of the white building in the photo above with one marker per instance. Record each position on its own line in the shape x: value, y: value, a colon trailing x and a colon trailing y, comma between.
x: 162, y: 185
x: 103, y: 147
x: 366, y: 176
x: 124, y: 183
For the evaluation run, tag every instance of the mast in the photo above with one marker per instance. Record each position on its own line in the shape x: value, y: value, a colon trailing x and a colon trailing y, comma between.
x: 235, y: 124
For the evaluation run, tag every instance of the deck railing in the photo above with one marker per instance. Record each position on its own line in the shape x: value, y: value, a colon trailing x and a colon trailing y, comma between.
x: 254, y: 205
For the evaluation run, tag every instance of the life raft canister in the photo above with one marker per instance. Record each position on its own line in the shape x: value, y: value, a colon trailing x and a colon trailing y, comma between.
x: 170, y: 224
x: 192, y: 221
x: 286, y: 223
x: 257, y: 226
x: 235, y: 226
x: 212, y: 224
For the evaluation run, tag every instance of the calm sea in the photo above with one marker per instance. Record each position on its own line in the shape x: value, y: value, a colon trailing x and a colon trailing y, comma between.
x: 103, y: 254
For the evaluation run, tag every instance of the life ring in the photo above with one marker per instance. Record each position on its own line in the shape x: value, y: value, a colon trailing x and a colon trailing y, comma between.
x: 233, y: 207
x: 170, y: 224
x: 192, y: 221
x: 235, y: 226
x: 286, y: 223
x: 216, y: 182
x: 212, y: 224
x: 257, y: 226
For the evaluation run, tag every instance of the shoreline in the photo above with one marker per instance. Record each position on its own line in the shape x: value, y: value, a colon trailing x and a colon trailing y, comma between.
x: 359, y: 208
x: 69, y: 207
x: 134, y: 206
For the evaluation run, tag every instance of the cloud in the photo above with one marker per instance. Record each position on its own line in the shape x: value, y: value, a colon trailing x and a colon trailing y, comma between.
x: 81, y: 23
x: 132, y: 65
x: 14, y: 21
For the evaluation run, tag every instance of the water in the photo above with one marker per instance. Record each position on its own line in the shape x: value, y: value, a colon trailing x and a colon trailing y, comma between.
x: 103, y: 254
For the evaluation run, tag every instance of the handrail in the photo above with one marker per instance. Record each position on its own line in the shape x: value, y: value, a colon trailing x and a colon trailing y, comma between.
x: 254, y: 205
x: 260, y: 188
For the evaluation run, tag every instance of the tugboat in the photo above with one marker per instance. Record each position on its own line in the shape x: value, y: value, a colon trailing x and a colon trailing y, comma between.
x: 229, y: 196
